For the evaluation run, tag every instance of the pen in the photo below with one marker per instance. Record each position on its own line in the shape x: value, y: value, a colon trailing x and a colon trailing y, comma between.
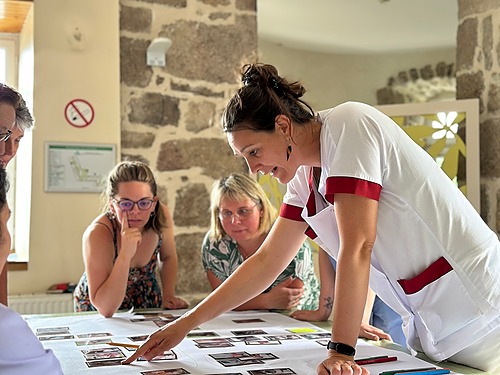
x: 393, y: 372
x: 377, y: 356
x: 382, y: 359
x: 438, y: 371
x: 123, y: 345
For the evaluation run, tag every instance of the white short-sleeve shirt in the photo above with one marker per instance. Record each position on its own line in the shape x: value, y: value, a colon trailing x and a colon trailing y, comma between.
x: 434, y: 260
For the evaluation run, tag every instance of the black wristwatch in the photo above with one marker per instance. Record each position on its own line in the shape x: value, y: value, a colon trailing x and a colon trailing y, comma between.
x: 341, y: 348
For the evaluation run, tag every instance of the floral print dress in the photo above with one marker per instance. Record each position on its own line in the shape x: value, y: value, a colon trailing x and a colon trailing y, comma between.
x: 223, y: 258
x: 143, y: 289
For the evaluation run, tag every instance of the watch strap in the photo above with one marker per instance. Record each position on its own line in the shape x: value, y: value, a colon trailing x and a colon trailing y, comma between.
x: 341, y: 348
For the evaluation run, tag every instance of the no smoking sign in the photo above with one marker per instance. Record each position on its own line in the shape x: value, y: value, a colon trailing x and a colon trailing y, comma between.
x: 79, y: 113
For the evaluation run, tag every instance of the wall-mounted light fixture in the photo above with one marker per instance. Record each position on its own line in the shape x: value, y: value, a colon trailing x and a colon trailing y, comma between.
x: 155, y: 55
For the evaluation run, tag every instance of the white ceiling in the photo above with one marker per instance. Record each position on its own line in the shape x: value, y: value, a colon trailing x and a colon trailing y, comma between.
x: 359, y: 26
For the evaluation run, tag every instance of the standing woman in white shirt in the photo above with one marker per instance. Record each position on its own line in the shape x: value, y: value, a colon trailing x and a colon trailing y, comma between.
x: 379, y: 205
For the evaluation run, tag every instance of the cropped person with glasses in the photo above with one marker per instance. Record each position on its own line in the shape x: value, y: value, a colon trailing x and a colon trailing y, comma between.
x: 241, y: 218
x: 21, y: 352
x: 125, y: 245
x: 15, y: 118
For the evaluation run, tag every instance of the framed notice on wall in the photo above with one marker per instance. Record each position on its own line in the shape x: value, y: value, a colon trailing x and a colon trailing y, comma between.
x: 77, y: 167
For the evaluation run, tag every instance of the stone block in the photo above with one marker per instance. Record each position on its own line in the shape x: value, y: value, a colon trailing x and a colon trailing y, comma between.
x: 250, y: 5
x: 197, y: 90
x: 216, y: 3
x: 490, y: 148
x: 192, y: 206
x: 171, y: 3
x: 468, y: 8
x: 493, y: 95
x: 191, y: 277
x: 487, y: 43
x: 427, y: 72
x: 224, y: 46
x: 387, y: 95
x: 200, y: 116
x: 133, y: 69
x: 154, y: 109
x: 468, y: 35
x: 213, y: 156
x: 135, y: 19
x: 471, y: 85
x: 136, y: 139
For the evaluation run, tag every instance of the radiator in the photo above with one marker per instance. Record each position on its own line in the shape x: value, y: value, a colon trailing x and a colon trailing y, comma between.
x: 41, y: 303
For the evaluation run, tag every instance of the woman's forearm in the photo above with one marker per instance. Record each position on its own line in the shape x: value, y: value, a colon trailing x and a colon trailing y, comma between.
x: 351, y: 287
x: 108, y: 298
x: 259, y: 302
x: 327, y: 281
x: 249, y: 280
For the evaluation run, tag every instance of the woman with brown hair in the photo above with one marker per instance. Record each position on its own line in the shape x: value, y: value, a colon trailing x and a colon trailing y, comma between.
x: 124, y: 246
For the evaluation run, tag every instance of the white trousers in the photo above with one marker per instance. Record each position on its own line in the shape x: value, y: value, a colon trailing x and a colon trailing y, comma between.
x: 483, y: 354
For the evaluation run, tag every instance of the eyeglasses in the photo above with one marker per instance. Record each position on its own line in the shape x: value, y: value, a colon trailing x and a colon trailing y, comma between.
x: 242, y: 214
x: 5, y: 136
x: 127, y: 204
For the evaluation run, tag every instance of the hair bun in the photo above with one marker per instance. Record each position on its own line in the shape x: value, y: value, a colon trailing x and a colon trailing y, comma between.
x: 250, y: 76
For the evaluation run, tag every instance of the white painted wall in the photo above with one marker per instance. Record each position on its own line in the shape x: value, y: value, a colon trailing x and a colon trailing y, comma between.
x: 64, y: 70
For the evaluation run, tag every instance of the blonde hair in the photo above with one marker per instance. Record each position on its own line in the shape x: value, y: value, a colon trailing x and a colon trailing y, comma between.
x: 128, y: 171
x: 238, y: 187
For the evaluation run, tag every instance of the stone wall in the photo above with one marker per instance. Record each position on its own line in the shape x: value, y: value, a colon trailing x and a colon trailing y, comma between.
x: 170, y: 115
x: 420, y: 85
x: 478, y: 67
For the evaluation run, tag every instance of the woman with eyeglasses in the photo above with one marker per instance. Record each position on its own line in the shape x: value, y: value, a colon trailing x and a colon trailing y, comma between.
x: 124, y: 247
x: 15, y: 118
x: 241, y: 218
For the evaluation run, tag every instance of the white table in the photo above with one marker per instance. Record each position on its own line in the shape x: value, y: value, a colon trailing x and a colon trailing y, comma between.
x: 302, y: 355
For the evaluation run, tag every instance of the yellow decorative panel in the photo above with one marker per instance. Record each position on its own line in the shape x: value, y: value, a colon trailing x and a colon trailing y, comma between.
x: 449, y: 132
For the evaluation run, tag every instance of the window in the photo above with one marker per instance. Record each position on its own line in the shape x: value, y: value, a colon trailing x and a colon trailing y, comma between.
x: 8, y: 52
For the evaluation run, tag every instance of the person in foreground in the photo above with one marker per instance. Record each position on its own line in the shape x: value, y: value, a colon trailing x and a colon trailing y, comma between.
x: 124, y: 246
x: 376, y: 312
x: 381, y: 206
x: 241, y: 217
x: 15, y: 118
x: 21, y: 353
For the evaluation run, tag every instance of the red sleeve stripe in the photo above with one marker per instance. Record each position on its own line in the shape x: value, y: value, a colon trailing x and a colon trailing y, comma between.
x: 436, y: 270
x: 351, y: 185
x: 291, y: 212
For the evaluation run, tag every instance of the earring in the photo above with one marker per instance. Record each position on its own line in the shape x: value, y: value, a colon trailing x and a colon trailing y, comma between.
x: 288, y: 152
x: 111, y: 215
x: 152, y: 214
